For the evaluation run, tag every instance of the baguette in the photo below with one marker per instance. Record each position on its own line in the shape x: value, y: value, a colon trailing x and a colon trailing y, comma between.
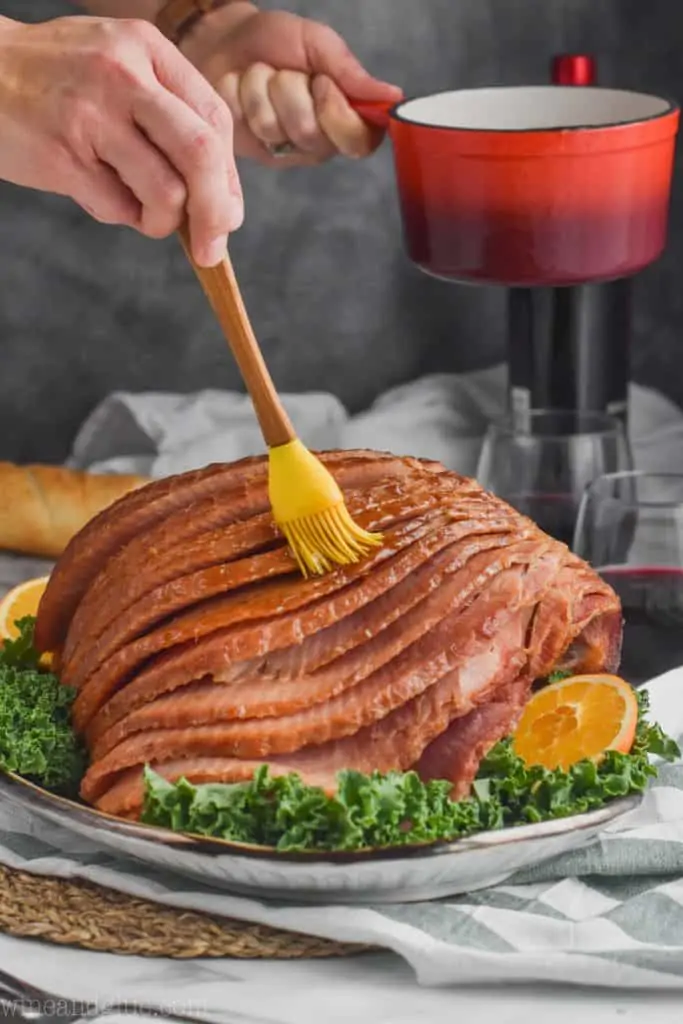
x: 42, y: 507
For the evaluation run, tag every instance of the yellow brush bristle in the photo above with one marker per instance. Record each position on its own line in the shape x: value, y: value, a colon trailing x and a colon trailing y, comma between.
x: 326, y: 539
x: 309, y: 508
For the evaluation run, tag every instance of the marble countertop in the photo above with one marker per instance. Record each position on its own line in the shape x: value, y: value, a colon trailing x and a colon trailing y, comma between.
x: 375, y: 987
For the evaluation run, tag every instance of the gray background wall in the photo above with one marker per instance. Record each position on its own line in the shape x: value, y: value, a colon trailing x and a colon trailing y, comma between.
x: 85, y: 309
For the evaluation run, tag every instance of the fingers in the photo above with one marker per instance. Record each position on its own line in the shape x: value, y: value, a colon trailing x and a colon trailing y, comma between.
x: 204, y: 157
x: 100, y: 192
x: 188, y: 84
x: 291, y: 96
x: 133, y: 132
x: 329, y: 55
x: 181, y: 78
x: 277, y: 107
x: 272, y: 107
x: 346, y: 130
x: 257, y: 107
x: 158, y: 188
x: 192, y: 126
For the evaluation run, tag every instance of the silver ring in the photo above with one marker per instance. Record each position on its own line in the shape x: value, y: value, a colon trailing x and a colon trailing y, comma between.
x: 280, y: 149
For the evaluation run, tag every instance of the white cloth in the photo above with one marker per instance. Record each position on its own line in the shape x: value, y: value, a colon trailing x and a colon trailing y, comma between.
x: 442, y: 417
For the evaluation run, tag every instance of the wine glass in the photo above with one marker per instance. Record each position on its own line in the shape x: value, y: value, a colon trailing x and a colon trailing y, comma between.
x: 543, y: 467
x: 630, y: 528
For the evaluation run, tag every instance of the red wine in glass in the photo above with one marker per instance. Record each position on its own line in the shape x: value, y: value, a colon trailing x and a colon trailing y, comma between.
x: 542, y: 462
x: 652, y: 602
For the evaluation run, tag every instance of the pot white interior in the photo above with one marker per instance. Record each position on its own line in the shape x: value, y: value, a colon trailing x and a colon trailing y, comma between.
x: 532, y: 108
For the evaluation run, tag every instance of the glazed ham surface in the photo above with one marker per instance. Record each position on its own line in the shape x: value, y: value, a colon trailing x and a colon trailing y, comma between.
x: 196, y: 646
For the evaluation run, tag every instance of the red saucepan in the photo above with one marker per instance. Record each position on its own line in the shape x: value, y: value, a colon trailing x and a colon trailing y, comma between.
x: 532, y: 185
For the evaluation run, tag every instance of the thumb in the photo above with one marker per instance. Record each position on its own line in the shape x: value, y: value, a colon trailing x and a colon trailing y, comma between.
x: 329, y: 55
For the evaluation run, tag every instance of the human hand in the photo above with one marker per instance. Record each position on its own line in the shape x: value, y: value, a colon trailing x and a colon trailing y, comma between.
x: 109, y: 113
x: 286, y: 80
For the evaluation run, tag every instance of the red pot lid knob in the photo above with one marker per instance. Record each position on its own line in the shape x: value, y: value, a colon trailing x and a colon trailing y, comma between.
x: 573, y: 69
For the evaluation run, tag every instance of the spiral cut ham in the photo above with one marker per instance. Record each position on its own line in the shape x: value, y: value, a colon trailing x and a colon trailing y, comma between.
x: 195, y: 645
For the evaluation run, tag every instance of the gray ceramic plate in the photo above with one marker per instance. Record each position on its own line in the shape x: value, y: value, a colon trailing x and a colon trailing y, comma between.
x: 371, y: 876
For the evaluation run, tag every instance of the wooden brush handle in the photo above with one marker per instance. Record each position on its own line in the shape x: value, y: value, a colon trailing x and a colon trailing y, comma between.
x: 221, y: 288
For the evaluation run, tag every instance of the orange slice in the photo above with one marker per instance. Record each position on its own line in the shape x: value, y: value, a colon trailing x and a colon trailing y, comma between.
x: 580, y: 717
x: 21, y: 601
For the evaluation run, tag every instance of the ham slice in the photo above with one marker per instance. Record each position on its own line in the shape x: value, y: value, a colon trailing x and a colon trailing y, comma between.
x: 322, y: 666
x: 179, y: 556
x: 240, y: 487
x: 206, y: 568
x: 265, y: 605
x: 275, y: 611
x: 420, y: 665
x: 197, y: 648
x: 456, y: 753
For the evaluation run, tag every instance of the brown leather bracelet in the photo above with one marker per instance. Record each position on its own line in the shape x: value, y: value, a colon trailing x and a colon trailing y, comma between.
x: 177, y: 17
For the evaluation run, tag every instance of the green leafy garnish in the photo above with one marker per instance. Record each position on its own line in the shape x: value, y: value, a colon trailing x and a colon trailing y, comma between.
x: 21, y: 652
x: 36, y: 737
x: 366, y: 811
x: 398, y: 808
x: 532, y: 793
x: 558, y: 675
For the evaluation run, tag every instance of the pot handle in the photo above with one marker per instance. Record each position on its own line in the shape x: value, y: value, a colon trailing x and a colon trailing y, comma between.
x: 375, y: 112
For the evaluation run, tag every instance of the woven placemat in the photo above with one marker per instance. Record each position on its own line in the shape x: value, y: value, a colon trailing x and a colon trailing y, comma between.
x: 75, y: 913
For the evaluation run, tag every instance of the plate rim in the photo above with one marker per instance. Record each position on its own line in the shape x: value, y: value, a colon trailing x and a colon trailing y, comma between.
x: 37, y: 798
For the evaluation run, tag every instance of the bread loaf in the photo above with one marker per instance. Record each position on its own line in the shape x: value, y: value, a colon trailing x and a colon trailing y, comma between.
x: 42, y: 507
